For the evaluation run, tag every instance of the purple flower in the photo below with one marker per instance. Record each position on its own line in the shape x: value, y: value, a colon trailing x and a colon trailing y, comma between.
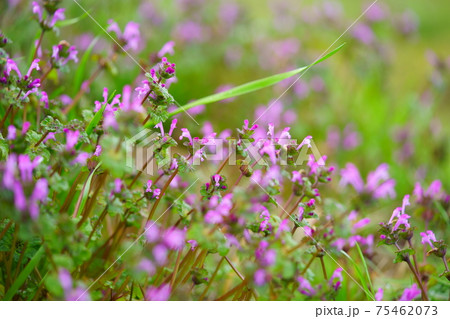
x: 81, y: 158
x: 161, y: 293
x: 11, y: 133
x: 186, y: 134
x: 131, y: 36
x: 379, y: 294
x: 190, y: 31
x: 58, y: 15
x: 37, y: 10
x: 428, y: 238
x: 350, y: 175
x: 174, y: 238
x: 65, y: 279
x: 11, y: 66
x: 147, y: 266
x: 20, y: 201
x: 44, y: 98
x: 98, y: 150
x: 152, y: 233
x: 336, y: 279
x: 305, y: 287
x: 376, y: 13
x: 26, y: 166
x: 71, y: 139
x: 266, y: 257
x: 410, y: 293
x: 400, y: 210
x: 363, y: 222
x: 167, y: 49
x: 61, y: 54
x: 363, y: 33
x: 339, y: 243
x: 160, y: 254
x: 39, y: 194
x: 260, y: 277
x: 118, y: 184
x: 379, y: 184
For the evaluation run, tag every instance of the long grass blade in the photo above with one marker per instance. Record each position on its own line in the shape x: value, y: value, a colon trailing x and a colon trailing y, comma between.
x: 251, y: 86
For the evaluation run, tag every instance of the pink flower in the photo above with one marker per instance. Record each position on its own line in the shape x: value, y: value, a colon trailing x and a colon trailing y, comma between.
x: 410, y: 293
x: 305, y: 287
x: 379, y: 184
x: 167, y: 49
x: 98, y: 150
x: 363, y: 33
x: 428, y: 238
x: 260, y: 277
x: 160, y: 254
x: 400, y: 210
x: 336, y: 279
x: 363, y: 222
x: 61, y: 54
x: 174, y: 238
x: 71, y: 139
x: 11, y: 133
x: 131, y: 36
x: 379, y: 294
x: 350, y: 175
x: 147, y: 266
x: 161, y: 293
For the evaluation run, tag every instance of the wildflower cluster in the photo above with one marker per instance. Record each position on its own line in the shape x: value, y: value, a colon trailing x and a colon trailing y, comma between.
x: 109, y: 192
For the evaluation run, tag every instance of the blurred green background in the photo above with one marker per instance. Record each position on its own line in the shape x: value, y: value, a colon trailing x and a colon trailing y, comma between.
x: 383, y: 89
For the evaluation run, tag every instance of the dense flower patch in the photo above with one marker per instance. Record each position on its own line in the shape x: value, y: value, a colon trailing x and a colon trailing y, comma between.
x: 280, y: 223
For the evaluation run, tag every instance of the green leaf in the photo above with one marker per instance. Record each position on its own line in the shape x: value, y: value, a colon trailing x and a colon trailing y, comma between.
x: 361, y: 256
x: 79, y: 75
x: 87, y: 188
x: 95, y: 120
x: 4, y: 148
x: 24, y: 274
x: 442, y: 211
x: 66, y: 23
x: 98, y: 116
x: 364, y: 284
x: 251, y: 86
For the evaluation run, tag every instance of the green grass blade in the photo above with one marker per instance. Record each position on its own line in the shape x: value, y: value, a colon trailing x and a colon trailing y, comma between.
x: 87, y: 188
x: 68, y: 22
x: 24, y: 274
x: 442, y: 211
x: 361, y: 256
x: 98, y: 116
x: 251, y: 86
x: 364, y: 285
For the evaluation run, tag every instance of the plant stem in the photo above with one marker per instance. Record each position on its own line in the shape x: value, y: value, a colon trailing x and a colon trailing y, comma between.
x: 211, y: 279
x: 323, y: 268
x: 38, y: 45
x: 5, y: 116
x: 234, y: 268
x: 416, y: 275
x: 445, y: 264
x: 41, y: 139
x: 175, y: 271
x: 5, y: 229
x: 308, y: 264
x: 414, y: 257
x: 155, y: 205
